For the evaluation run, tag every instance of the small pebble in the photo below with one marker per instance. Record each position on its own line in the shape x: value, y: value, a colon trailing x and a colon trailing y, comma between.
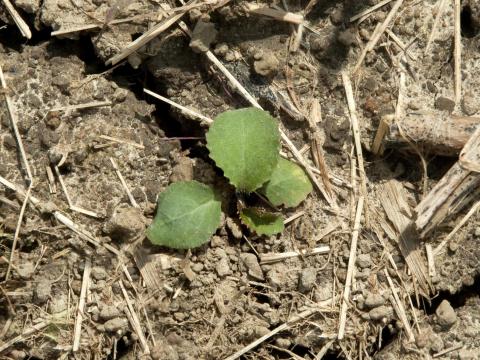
x: 115, y: 324
x: 446, y: 316
x: 445, y: 104
x: 307, y: 280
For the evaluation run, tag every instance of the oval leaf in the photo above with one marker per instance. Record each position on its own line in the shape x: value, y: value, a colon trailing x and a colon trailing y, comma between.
x: 245, y: 143
x: 288, y: 185
x: 263, y: 223
x: 188, y: 213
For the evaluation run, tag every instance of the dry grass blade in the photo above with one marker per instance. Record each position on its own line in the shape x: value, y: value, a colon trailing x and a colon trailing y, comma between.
x: 17, y: 232
x: 21, y: 24
x: 369, y: 10
x: 275, y: 14
x: 377, y: 35
x: 88, y: 105
x: 124, y: 184
x: 23, y: 336
x: 398, y: 305
x: 350, y: 269
x: 134, y: 320
x: 278, y: 329
x: 393, y: 200
x: 81, y: 305
x: 146, y: 37
x: 457, y: 227
x: 356, y: 134
x: 275, y: 257
x: 457, y: 52
x: 178, y: 106
x: 317, y: 151
x: 436, y: 23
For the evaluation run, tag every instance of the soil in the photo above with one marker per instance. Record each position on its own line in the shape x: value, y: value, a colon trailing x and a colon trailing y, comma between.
x: 214, y: 300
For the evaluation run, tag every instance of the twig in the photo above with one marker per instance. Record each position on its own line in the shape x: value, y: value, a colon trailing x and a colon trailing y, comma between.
x: 293, y: 217
x: 81, y: 304
x: 399, y: 307
x: 382, y: 130
x: 457, y: 52
x: 324, y: 350
x: 350, y: 269
x: 274, y: 257
x: 135, y: 322
x: 457, y: 227
x: 441, y: 7
x: 17, y: 232
x: 400, y: 44
x: 21, y: 24
x: 369, y: 10
x: 121, y: 141
x: 430, y: 260
x: 51, y: 180
x: 89, y: 27
x: 317, y: 151
x: 275, y: 14
x: 71, y: 206
x: 356, y: 133
x: 178, y: 106
x: 64, y: 188
x: 13, y: 121
x: 9, y: 202
x: 446, y: 351
x: 377, y: 34
x: 278, y: 329
x: 24, y: 335
x: 124, y: 184
x: 146, y: 37
x: 92, y: 104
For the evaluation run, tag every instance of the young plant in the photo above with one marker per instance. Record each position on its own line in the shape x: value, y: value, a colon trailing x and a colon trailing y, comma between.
x: 245, y: 144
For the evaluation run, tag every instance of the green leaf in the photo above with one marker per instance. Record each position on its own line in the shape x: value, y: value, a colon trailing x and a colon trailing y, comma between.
x: 263, y: 223
x: 188, y: 213
x: 288, y: 185
x: 245, y: 144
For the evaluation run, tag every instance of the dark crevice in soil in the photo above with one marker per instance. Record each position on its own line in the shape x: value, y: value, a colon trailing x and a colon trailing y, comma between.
x: 387, y: 337
x: 457, y: 299
x: 123, y: 348
x: 469, y: 27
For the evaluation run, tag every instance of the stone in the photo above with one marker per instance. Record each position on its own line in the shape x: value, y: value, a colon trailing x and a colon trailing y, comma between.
x: 183, y: 170
x: 203, y: 35
x: 446, y: 316
x: 364, y: 260
x: 223, y: 267
x: 445, y: 104
x: 99, y: 273
x: 374, y: 300
x: 467, y: 354
x: 108, y: 312
x: 58, y: 304
x: 125, y: 224
x: 283, y: 342
x: 234, y: 228
x: 116, y: 324
x: 42, y: 292
x: 347, y: 38
x: 379, y: 313
x: 307, y: 280
x: 469, y: 104
x: 336, y: 16
x: 251, y: 263
x: 266, y: 65
x: 277, y: 278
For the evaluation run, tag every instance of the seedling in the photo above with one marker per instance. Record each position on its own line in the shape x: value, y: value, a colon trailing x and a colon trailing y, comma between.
x: 245, y: 144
